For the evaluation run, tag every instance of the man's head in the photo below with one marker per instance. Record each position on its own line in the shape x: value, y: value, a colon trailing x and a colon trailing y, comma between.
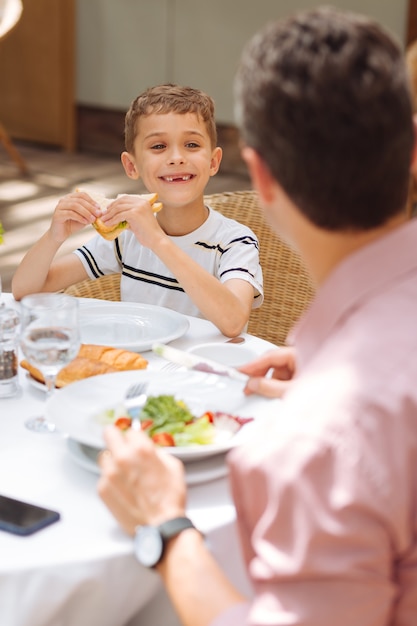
x: 323, y: 98
x: 170, y: 98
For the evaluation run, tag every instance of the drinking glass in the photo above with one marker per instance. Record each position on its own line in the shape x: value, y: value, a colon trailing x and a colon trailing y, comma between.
x: 9, y: 334
x: 49, y: 339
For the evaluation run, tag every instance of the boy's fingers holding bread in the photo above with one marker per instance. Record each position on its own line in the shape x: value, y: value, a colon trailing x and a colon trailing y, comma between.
x: 108, y: 232
x: 98, y: 198
x: 111, y: 232
x: 150, y: 197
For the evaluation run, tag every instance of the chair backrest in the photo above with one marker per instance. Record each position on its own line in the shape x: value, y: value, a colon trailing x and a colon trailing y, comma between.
x: 103, y: 288
x: 287, y: 286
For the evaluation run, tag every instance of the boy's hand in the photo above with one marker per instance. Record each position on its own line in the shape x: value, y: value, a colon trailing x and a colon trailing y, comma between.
x: 280, y: 364
x: 72, y: 213
x: 139, y: 214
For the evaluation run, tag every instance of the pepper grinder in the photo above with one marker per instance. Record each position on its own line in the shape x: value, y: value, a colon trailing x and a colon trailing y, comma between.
x: 9, y: 322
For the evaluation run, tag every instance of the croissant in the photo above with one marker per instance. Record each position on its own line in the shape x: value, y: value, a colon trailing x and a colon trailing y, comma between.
x: 91, y: 361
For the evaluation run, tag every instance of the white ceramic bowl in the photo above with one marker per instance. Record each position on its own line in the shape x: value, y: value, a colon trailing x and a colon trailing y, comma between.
x: 233, y: 355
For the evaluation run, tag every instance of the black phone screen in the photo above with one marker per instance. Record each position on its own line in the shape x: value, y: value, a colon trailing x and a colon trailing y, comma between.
x: 23, y: 518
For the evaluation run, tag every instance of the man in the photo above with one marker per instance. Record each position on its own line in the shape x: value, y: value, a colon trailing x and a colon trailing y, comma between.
x: 326, y: 499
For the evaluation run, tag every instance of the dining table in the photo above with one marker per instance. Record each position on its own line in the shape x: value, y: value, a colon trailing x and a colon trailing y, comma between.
x: 81, y: 570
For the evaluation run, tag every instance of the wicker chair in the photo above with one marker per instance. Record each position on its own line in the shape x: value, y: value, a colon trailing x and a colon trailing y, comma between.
x: 287, y: 287
x: 286, y: 284
x: 104, y: 288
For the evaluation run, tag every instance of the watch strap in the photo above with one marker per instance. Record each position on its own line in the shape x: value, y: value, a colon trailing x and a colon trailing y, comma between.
x: 151, y: 541
x: 174, y: 527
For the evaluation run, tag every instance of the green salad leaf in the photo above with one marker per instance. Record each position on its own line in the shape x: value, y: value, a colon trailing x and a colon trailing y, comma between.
x: 166, y: 414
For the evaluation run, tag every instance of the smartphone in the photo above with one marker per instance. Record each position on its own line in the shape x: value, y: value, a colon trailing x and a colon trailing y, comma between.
x: 23, y: 518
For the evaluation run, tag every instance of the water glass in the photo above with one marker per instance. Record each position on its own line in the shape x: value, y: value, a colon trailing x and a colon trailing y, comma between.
x: 50, y: 339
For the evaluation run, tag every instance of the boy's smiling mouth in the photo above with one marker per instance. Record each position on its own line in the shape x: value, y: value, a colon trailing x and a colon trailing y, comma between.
x: 178, y: 178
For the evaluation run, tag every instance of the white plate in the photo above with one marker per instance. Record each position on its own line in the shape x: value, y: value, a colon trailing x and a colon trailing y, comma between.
x: 75, y: 407
x: 229, y: 354
x: 206, y: 470
x: 129, y: 325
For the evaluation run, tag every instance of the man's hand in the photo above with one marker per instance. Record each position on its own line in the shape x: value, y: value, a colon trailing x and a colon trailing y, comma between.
x: 279, y: 365
x: 140, y: 483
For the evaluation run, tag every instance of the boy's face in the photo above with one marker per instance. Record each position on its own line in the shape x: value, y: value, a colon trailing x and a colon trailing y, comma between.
x: 173, y: 156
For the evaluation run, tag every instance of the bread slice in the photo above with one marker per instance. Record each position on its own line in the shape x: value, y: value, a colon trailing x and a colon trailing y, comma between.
x: 111, y: 232
x: 92, y: 360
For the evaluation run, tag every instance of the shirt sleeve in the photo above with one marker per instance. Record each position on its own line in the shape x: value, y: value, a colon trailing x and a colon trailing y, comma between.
x: 240, y: 259
x: 100, y: 257
x: 313, y: 539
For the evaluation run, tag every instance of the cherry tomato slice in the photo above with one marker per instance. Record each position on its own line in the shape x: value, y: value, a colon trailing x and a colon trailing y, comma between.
x: 124, y: 423
x: 163, y: 439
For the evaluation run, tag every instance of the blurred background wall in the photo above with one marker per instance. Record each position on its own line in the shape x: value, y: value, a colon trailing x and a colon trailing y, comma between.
x: 123, y: 46
x: 70, y: 68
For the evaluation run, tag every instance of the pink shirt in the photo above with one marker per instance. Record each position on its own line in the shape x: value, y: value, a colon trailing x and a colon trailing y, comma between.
x: 327, y: 497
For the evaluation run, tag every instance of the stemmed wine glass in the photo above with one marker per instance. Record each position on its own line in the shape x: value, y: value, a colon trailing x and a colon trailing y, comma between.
x: 50, y: 339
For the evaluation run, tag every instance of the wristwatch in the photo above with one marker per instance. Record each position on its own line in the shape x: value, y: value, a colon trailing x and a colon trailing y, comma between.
x: 150, y: 541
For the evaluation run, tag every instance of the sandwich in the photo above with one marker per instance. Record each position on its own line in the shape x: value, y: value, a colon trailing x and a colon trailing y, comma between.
x: 111, y: 232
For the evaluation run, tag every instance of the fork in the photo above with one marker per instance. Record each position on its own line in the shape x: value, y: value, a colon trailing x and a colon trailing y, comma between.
x: 170, y: 367
x: 135, y: 400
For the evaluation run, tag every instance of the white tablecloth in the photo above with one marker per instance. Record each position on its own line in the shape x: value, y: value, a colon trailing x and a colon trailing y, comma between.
x: 81, y: 571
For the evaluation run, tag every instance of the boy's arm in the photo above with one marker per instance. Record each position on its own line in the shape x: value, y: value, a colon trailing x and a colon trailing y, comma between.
x: 39, y: 270
x: 227, y: 305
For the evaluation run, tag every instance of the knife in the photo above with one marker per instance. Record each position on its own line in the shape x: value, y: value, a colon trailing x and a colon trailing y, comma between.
x: 194, y: 362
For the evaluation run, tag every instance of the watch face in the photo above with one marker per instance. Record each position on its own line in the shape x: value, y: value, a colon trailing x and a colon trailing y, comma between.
x: 148, y: 545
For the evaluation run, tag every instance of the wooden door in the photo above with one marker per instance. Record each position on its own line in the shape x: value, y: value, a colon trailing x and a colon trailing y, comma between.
x: 37, y: 74
x: 412, y: 21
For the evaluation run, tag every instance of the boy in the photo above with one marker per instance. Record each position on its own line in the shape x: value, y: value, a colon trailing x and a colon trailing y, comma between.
x: 325, y: 494
x: 186, y: 257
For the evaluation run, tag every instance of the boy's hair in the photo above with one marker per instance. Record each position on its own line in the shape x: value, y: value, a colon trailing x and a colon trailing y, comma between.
x: 170, y: 98
x: 323, y: 98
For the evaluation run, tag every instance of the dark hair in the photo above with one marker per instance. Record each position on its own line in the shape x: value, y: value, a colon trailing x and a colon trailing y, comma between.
x: 170, y: 98
x: 323, y: 98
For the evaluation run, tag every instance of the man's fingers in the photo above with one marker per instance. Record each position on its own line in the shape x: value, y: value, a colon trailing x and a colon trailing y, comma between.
x: 281, y: 361
x: 267, y: 387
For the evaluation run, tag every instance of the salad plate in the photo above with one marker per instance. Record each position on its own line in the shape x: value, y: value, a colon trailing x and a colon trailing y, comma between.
x: 78, y: 408
x: 197, y: 473
x: 129, y: 325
